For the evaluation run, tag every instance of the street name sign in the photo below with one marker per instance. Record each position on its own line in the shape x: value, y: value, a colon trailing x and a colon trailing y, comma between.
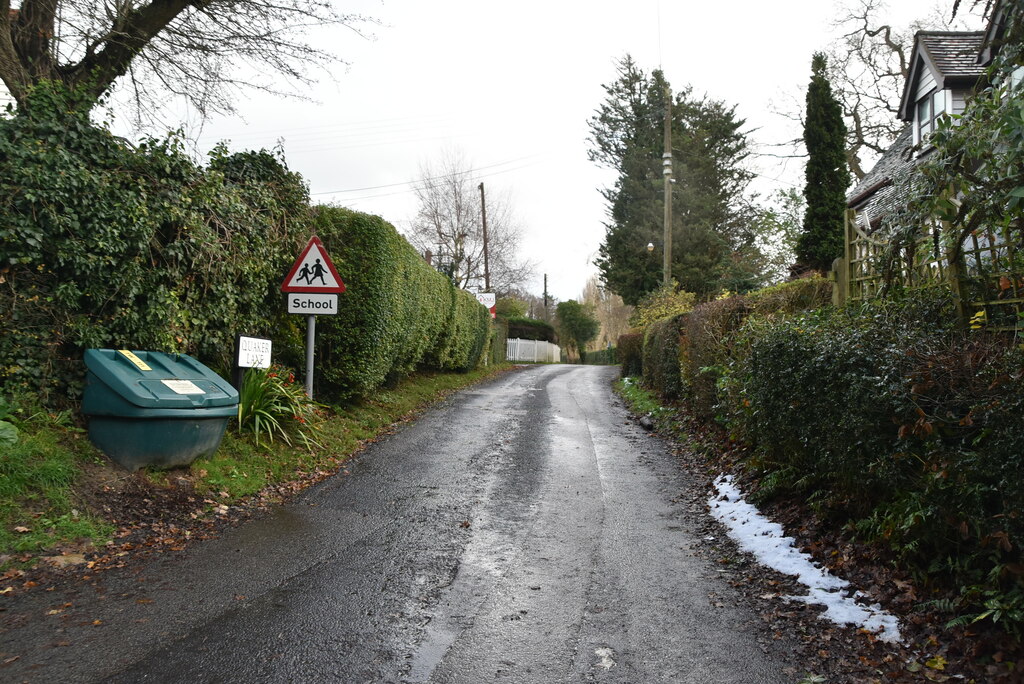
x: 253, y: 352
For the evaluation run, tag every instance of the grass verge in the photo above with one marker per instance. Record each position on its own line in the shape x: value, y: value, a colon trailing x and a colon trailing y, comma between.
x: 44, y: 505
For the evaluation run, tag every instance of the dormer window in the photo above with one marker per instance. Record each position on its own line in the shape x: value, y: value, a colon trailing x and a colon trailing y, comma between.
x: 929, y: 109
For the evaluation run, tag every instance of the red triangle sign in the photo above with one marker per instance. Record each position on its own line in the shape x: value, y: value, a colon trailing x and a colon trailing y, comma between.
x: 313, y: 271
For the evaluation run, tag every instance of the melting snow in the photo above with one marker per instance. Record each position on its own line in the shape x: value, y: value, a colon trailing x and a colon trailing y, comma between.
x: 765, y: 539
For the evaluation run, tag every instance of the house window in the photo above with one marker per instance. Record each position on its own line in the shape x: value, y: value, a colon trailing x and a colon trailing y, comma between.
x: 929, y: 109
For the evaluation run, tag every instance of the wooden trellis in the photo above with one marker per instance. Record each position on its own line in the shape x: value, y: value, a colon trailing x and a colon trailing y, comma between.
x: 986, y: 276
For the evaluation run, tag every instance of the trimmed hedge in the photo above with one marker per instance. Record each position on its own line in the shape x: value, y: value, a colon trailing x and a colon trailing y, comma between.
x: 661, y: 370
x: 531, y: 329
x: 912, y: 431
x: 498, y: 348
x: 103, y: 244
x: 707, y: 350
x: 397, y: 313
x: 631, y: 354
x: 601, y: 357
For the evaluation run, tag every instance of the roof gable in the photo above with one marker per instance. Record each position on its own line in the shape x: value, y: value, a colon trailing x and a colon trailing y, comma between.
x: 950, y: 56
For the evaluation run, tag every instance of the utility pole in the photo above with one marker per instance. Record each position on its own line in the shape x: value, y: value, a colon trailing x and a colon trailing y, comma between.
x: 545, y: 296
x: 483, y: 213
x: 666, y: 170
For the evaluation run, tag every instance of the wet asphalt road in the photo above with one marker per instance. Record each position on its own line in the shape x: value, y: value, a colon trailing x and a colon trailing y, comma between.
x: 523, y: 531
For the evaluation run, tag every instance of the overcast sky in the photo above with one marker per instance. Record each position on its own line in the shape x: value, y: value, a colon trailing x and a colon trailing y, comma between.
x: 512, y: 85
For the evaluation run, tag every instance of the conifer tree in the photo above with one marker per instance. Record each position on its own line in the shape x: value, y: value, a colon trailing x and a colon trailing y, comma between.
x: 710, y: 212
x: 821, y: 240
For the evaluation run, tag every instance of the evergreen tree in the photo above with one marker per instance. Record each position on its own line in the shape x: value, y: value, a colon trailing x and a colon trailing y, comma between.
x: 821, y: 240
x: 708, y: 205
x: 577, y: 325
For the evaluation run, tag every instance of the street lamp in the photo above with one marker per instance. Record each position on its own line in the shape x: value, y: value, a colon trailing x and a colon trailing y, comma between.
x: 650, y: 246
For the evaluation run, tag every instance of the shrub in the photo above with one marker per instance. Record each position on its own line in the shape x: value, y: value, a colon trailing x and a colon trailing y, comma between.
x: 631, y: 348
x: 272, y: 405
x: 531, y: 329
x: 661, y: 350
x: 707, y: 349
x: 661, y: 303
x: 397, y: 313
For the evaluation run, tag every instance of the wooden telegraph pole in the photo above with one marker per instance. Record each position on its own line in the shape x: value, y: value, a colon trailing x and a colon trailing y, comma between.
x: 666, y: 170
x: 483, y: 213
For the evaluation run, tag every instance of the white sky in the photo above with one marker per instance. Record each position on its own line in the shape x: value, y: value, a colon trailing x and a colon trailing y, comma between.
x: 512, y: 85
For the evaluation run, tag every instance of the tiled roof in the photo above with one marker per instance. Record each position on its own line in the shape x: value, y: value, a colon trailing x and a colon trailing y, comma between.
x: 954, y: 54
x: 877, y: 193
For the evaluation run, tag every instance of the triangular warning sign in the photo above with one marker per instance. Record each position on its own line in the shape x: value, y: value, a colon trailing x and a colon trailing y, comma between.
x: 313, y: 271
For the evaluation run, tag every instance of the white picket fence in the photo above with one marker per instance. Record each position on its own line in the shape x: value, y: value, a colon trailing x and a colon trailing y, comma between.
x: 533, y: 350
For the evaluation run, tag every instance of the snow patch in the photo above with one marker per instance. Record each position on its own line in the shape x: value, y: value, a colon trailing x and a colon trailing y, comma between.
x: 768, y: 543
x: 605, y: 659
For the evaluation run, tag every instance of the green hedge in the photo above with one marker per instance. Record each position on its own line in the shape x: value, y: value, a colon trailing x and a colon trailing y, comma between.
x: 903, y: 429
x: 631, y: 354
x: 103, y: 244
x: 706, y: 349
x: 397, y: 313
x: 601, y: 357
x: 498, y: 348
x: 531, y: 329
x: 661, y: 369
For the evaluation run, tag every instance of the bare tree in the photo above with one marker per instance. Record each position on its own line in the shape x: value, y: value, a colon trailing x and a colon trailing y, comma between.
x: 196, y: 49
x: 611, y: 312
x: 449, y: 224
x: 868, y: 66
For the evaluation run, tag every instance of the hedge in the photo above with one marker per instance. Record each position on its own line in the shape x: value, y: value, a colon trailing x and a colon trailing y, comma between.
x: 661, y: 369
x: 397, y: 313
x: 105, y: 244
x: 601, y: 357
x: 531, y: 329
x: 631, y: 349
x: 908, y: 431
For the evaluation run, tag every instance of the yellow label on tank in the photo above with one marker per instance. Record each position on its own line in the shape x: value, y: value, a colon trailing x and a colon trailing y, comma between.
x: 139, y: 363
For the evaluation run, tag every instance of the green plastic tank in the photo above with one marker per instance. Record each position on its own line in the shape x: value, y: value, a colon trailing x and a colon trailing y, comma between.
x: 149, y: 408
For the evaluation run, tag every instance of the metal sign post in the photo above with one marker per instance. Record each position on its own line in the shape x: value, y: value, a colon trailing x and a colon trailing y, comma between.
x: 310, y: 336
x: 312, y: 287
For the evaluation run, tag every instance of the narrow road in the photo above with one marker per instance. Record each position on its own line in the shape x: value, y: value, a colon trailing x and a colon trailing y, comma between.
x: 523, y: 531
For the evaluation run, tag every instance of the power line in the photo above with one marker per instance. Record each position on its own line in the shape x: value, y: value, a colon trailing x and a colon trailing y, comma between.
x: 413, y: 183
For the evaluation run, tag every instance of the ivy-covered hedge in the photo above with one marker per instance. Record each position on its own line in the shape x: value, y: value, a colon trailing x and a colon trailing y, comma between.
x: 103, y: 244
x: 106, y: 244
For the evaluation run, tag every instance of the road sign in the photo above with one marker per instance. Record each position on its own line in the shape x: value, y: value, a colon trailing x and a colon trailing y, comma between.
x: 312, y: 303
x: 253, y: 352
x: 487, y: 299
x: 313, y: 272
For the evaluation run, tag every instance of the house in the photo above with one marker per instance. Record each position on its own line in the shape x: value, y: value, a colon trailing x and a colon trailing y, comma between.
x: 945, y: 68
